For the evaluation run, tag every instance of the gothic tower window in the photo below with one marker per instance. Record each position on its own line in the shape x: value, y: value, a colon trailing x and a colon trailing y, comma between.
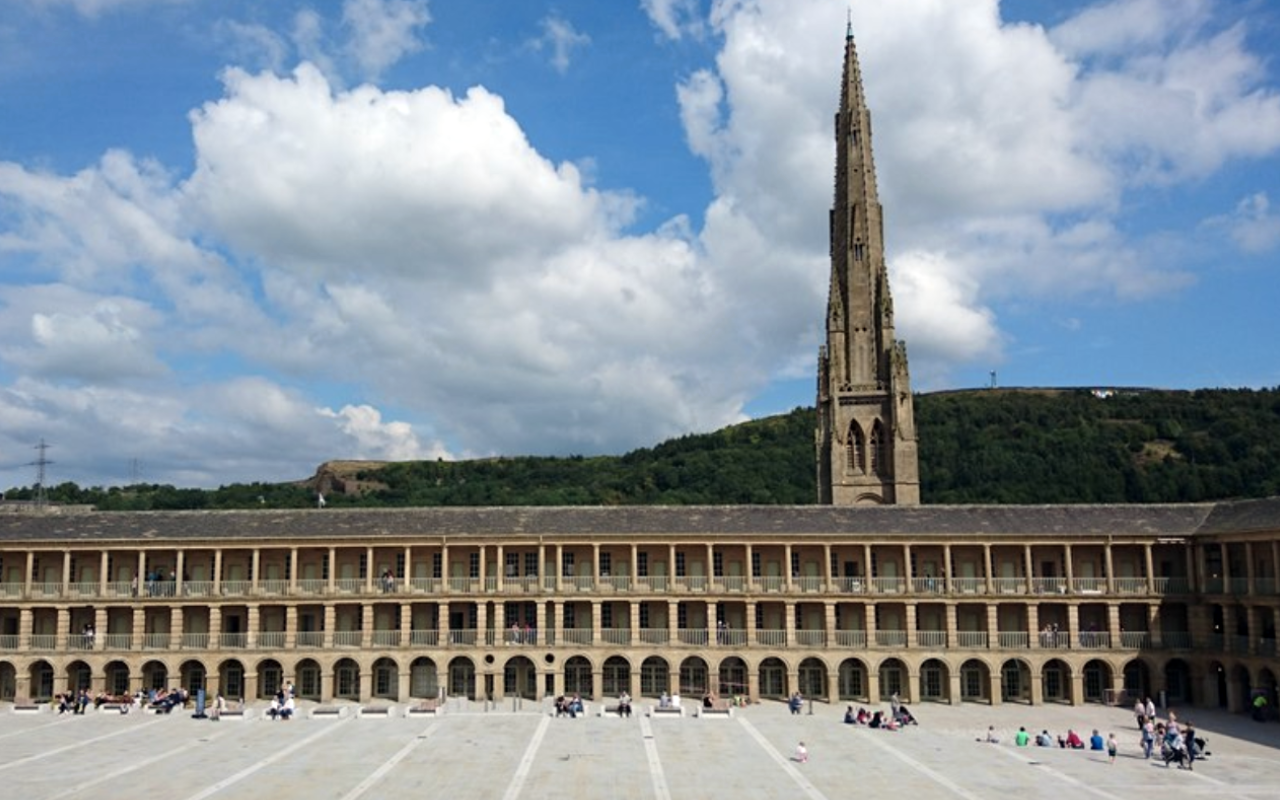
x: 855, y: 450
x: 877, y: 448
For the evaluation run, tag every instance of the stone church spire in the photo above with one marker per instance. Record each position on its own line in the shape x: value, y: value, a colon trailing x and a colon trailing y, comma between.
x: 866, y: 435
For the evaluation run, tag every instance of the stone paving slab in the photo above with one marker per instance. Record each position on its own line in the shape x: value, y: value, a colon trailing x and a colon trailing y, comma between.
x: 507, y: 755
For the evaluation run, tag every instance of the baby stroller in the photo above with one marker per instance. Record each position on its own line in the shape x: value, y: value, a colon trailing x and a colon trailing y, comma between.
x: 1174, y: 751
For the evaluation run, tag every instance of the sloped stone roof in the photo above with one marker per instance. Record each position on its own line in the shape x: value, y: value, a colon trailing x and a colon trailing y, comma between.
x: 634, y: 522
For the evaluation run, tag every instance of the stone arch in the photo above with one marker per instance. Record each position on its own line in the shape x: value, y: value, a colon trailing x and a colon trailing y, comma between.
x: 773, y: 678
x: 520, y: 678
x: 1015, y: 681
x: 615, y: 676
x: 231, y: 678
x: 812, y: 675
x: 655, y: 676
x: 852, y: 677
x: 116, y: 678
x: 935, y: 681
x: 733, y: 678
x: 895, y: 679
x: 578, y: 678
x: 1055, y: 682
x: 694, y: 677
x: 855, y: 450
x: 1178, y: 687
x: 8, y: 681
x: 270, y: 678
x: 41, y: 675
x: 975, y: 681
x: 462, y: 677
x: 424, y: 680
x: 79, y: 676
x: 385, y: 678
x: 155, y: 675
x: 308, y: 680
x: 1096, y: 680
x: 346, y: 679
x: 1137, y: 680
x: 192, y: 675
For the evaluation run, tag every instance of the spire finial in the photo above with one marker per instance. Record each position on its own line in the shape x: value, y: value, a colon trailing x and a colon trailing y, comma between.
x: 848, y: 30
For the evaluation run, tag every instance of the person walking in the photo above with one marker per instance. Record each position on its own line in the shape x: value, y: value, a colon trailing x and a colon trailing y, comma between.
x: 1112, y: 747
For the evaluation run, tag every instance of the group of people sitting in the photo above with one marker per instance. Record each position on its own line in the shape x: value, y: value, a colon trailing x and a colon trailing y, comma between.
x: 282, y: 705
x: 572, y: 706
x: 165, y: 701
x: 879, y: 719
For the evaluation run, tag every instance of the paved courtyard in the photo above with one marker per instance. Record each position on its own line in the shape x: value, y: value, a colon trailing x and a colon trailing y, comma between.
x: 468, y: 752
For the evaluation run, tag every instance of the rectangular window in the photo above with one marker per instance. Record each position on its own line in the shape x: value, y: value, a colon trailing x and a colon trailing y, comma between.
x: 795, y: 564
x: 437, y: 565
x: 566, y: 565
x: 400, y: 566
x: 324, y: 567
x: 75, y: 574
x: 531, y: 565
x: 606, y: 564
x: 755, y: 565
x: 364, y: 565
x: 835, y: 564
x: 759, y: 616
x: 875, y: 567
x: 717, y: 564
x: 512, y: 566
x: 473, y: 565
x: 569, y: 616
x: 679, y: 565
x: 644, y: 615
x: 682, y: 615
x: 642, y: 564
x: 288, y: 566
x: 606, y: 615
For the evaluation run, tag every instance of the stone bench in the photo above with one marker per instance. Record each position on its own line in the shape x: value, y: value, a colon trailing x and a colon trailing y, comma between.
x: 328, y: 712
x: 235, y: 710
x: 25, y: 705
x: 375, y: 712
x: 431, y: 705
x: 666, y: 711
x: 718, y: 708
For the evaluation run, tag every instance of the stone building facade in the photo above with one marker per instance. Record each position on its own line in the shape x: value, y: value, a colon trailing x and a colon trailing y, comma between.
x: 855, y: 600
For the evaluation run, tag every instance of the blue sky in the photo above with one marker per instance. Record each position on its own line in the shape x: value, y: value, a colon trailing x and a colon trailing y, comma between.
x: 240, y: 238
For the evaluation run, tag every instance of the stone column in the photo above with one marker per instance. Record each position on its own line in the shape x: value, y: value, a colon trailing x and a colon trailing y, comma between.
x: 911, y: 626
x: 1111, y: 573
x: 63, y: 629
x: 366, y: 632
x: 141, y: 575
x: 252, y: 624
x: 406, y: 629
x: 100, y: 627
x: 66, y: 574
x: 254, y: 570
x: 986, y: 568
x: 993, y: 626
x: 953, y: 638
x: 482, y: 624
x: 179, y: 574
x: 1073, y: 626
x: 217, y: 571
x: 1113, y: 624
x: 869, y: 617
x: 104, y: 570
x: 444, y: 568
x: 830, y: 623
x: 1033, y: 625
x: 1150, y: 568
x: 290, y: 627
x: 713, y: 629
x: 215, y: 628
x: 1029, y: 565
x: 751, y: 578
x: 330, y: 619
x: 828, y: 582
x: 540, y: 619
x: 633, y: 611
x: 1153, y: 627
x: 786, y: 569
x: 596, y: 618
x: 500, y: 620
x: 789, y: 624
x: 369, y: 568
x: 751, y: 623
x: 293, y: 571
x: 946, y: 566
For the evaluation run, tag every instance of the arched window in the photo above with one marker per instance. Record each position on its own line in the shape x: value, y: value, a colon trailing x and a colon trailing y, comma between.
x: 877, y: 448
x: 855, y: 450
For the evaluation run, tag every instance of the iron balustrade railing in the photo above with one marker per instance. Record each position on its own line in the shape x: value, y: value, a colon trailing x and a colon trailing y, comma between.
x: 655, y: 635
x: 1176, y: 640
x: 771, y: 638
x: 770, y: 583
x: 347, y: 638
x: 928, y: 585
x: 462, y: 636
x: 273, y: 587
x: 118, y: 641
x: 12, y: 589
x: 618, y: 636
x: 969, y: 639
x: 809, y: 583
x: 80, y: 641
x: 888, y: 585
x: 851, y: 638
x: 386, y: 638
x: 195, y: 641
x: 891, y: 638
x: 1135, y: 640
x: 233, y: 640
x: 1094, y: 640
x: 577, y: 636
x: 271, y: 640
x: 156, y: 641
x: 424, y: 637
x: 1013, y: 640
x: 1089, y: 585
x: 1009, y: 585
x: 931, y: 638
x: 1130, y: 585
x: 811, y: 638
x: 44, y: 641
x: 425, y: 585
x: 969, y: 585
x: 695, y: 636
x: 9, y: 641
x: 310, y: 639
x: 1049, y: 585
x: 197, y: 588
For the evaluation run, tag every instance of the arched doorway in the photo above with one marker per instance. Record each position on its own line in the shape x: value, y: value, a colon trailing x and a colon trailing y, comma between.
x: 462, y: 677
x: 813, y: 678
x: 1097, y: 680
x: 1015, y: 681
x: 79, y: 676
x: 655, y: 676
x: 117, y: 678
x: 1137, y: 681
x: 346, y: 679
x: 386, y: 679
x: 616, y: 676
x: 520, y: 678
x: 577, y: 677
x: 8, y: 681
x: 308, y: 680
x: 41, y: 674
x: 935, y: 681
x: 893, y: 680
x: 975, y: 682
x: 693, y: 677
x: 155, y: 676
x: 1177, y: 682
x: 270, y: 678
x: 773, y: 678
x: 733, y: 678
x: 1055, y: 682
x: 423, y: 681
x: 853, y: 679
x: 192, y: 676
x: 231, y: 678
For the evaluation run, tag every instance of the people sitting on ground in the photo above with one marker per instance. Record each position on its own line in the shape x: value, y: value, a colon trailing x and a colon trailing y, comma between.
x: 850, y: 718
x: 287, y: 710
x: 1022, y: 739
x: 904, y: 716
x: 624, y: 705
x: 273, y: 710
x: 561, y: 706
x: 864, y: 716
x: 992, y: 738
x: 877, y: 720
x: 709, y: 700
x: 1043, y: 739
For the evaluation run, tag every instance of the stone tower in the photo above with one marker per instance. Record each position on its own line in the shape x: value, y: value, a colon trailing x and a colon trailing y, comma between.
x: 866, y: 435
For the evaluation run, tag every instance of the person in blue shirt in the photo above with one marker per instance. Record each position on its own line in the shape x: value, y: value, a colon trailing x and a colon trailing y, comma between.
x: 1095, y: 741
